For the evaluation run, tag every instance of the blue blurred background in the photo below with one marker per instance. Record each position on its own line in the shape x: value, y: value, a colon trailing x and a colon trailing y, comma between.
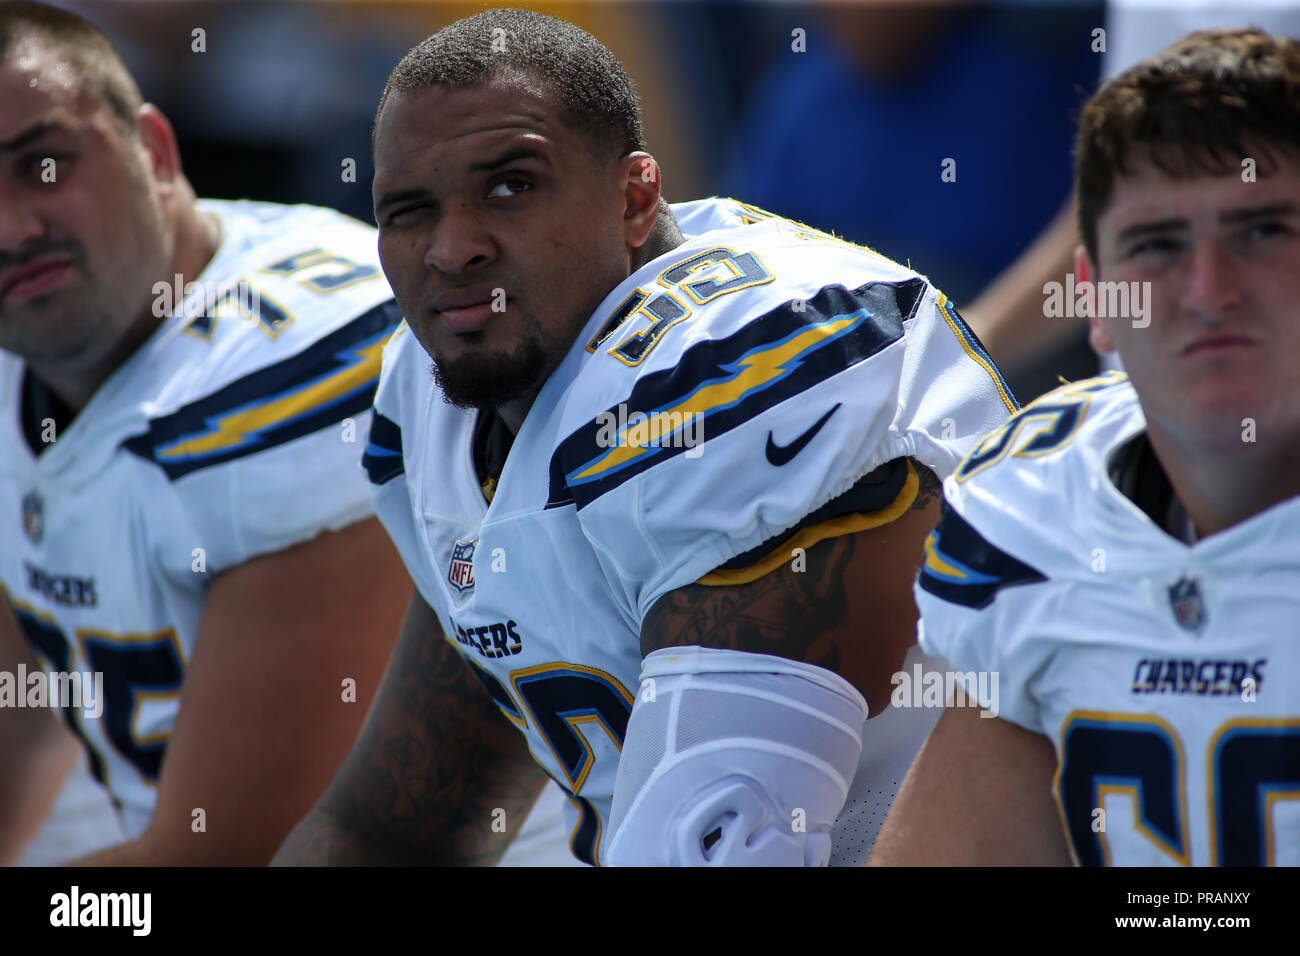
x: 845, y: 126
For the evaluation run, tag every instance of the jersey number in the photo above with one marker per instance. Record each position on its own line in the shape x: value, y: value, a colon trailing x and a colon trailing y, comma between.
x: 136, y: 669
x: 1252, y: 763
x: 1040, y: 428
x: 330, y: 273
x: 560, y: 701
x: 661, y: 312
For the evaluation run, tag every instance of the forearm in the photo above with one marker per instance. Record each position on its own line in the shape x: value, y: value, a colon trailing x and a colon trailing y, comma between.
x: 132, y: 853
x: 36, y: 750
x: 437, y: 775
x: 169, y: 841
x: 978, y: 794
x: 30, y: 779
x: 475, y: 830
x: 322, y: 839
x: 470, y: 835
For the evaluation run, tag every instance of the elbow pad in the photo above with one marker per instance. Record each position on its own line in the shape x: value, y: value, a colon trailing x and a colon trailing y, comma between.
x: 734, y: 759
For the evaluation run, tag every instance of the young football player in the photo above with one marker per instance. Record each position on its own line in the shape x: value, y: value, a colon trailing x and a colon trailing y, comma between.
x: 187, y: 541
x: 1122, y: 553
x: 663, y: 496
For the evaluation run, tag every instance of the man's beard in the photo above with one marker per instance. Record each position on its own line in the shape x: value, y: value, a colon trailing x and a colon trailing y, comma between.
x: 492, y: 380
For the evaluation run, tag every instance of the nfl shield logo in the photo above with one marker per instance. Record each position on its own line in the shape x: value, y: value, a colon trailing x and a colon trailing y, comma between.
x: 1185, y: 601
x: 461, y: 571
x: 34, y: 517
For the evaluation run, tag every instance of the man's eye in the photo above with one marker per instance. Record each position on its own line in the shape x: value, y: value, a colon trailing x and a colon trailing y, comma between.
x: 1266, y: 230
x: 1155, y: 245
x: 509, y: 187
x: 397, y: 217
x: 37, y: 163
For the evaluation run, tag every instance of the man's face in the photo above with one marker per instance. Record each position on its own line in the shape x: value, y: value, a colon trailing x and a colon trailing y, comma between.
x: 82, y: 238
x: 1221, y: 258
x: 500, y: 232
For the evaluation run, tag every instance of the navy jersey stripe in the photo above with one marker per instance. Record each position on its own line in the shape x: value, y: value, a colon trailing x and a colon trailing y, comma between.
x: 872, y: 492
x: 383, y: 456
x: 729, y: 381
x: 963, y: 568
x: 320, y: 386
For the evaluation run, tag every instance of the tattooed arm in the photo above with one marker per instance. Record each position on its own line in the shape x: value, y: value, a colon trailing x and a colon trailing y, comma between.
x: 434, y: 759
x: 849, y: 609
x: 764, y: 755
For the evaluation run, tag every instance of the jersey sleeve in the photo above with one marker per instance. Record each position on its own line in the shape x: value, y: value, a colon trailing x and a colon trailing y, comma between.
x: 977, y: 602
x: 385, y: 457
x: 269, y: 457
x: 799, y: 408
x: 1016, y: 551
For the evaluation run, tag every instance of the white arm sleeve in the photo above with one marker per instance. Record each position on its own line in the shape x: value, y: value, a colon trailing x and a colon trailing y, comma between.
x: 734, y: 759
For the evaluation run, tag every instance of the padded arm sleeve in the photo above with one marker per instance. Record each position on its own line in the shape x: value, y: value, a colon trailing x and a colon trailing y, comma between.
x: 734, y: 759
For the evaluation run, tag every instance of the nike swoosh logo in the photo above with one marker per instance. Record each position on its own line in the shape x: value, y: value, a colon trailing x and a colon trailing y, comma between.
x: 782, y: 454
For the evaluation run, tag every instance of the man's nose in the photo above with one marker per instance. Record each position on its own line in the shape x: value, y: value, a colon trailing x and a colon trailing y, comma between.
x: 459, y: 242
x: 1212, y: 286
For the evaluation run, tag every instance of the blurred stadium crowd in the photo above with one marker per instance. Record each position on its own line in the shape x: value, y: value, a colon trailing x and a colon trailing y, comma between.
x: 837, y: 115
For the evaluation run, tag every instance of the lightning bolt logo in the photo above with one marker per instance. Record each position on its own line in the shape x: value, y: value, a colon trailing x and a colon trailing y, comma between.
x: 751, y: 373
x: 247, y: 424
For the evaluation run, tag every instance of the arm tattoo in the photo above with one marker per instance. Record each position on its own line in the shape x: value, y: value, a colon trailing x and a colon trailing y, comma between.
x: 787, y: 613
x: 931, y: 487
x: 797, y: 614
x: 434, y: 761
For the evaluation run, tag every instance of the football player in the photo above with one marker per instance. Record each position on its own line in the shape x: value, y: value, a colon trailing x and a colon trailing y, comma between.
x: 663, y: 496
x: 1122, y: 553
x: 187, y: 541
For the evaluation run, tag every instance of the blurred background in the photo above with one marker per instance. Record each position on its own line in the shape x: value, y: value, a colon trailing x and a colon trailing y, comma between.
x: 939, y: 134
x: 845, y: 127
x: 840, y: 115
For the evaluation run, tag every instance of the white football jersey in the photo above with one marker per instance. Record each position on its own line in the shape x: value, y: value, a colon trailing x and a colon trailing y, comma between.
x: 236, y: 430
x: 1166, y: 674
x: 716, y: 400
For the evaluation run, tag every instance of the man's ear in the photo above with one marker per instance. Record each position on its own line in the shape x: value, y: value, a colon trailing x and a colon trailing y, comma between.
x: 159, y: 142
x: 1086, y: 272
x: 640, y: 175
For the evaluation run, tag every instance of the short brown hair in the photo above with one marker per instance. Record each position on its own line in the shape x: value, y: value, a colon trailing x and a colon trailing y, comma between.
x: 1198, y: 108
x: 98, y: 67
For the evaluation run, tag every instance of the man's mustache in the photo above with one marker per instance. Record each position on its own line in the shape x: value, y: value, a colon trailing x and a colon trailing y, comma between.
x: 68, y: 248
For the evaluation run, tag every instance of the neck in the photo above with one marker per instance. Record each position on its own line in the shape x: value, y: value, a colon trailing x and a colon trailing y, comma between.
x: 1223, y: 486
x: 196, y: 237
